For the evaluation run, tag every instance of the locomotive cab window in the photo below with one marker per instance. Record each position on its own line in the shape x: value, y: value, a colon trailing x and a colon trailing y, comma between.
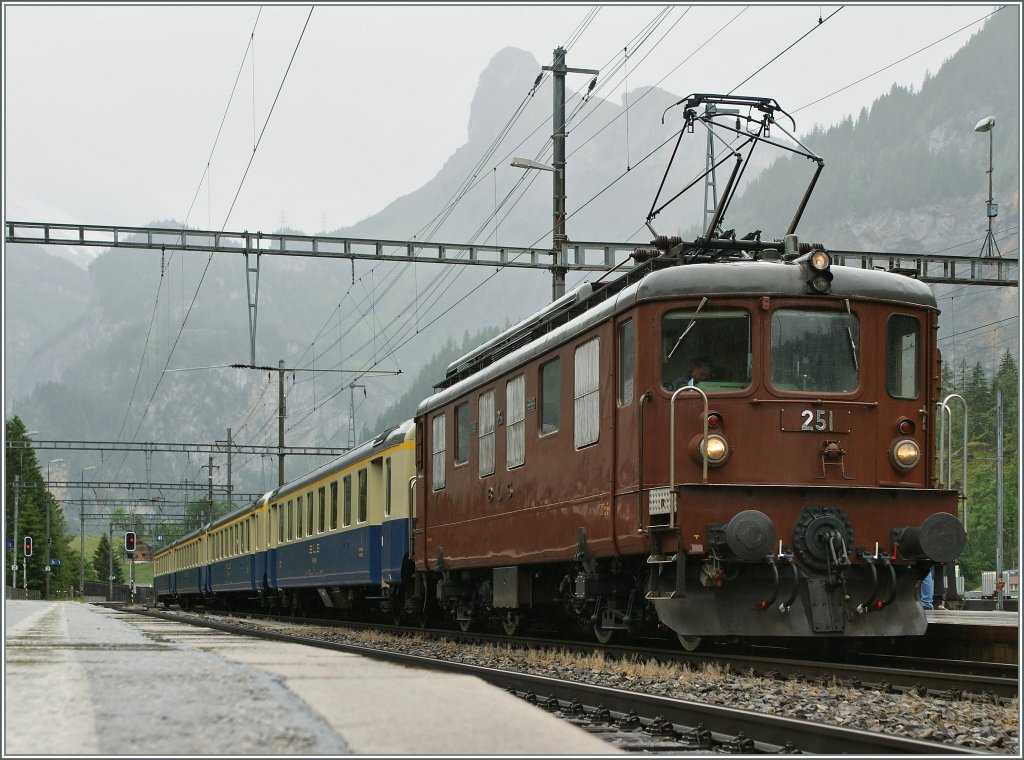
x: 902, y: 356
x: 709, y: 349
x: 815, y: 351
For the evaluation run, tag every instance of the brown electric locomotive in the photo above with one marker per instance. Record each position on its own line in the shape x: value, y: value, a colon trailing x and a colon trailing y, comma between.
x: 734, y: 439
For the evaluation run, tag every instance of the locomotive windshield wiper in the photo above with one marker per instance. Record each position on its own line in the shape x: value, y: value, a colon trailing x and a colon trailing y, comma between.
x: 693, y: 321
x: 849, y: 334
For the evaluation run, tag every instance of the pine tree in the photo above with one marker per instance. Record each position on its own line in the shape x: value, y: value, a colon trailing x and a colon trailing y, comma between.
x: 101, y: 561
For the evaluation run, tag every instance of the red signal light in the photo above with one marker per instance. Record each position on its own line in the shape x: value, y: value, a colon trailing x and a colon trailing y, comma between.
x: 129, y: 541
x: 28, y: 546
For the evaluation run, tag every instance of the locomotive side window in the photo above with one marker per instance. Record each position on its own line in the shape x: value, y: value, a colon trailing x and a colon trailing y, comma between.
x: 550, y: 396
x: 486, y: 441
x: 515, y: 431
x: 902, y: 356
x: 587, y: 410
x: 361, y: 516
x: 462, y: 433
x: 346, y: 517
x: 711, y: 349
x: 627, y: 362
x: 437, y: 444
x: 815, y: 351
x: 334, y: 505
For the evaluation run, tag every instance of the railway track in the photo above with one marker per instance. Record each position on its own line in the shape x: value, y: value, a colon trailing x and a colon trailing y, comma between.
x: 631, y: 720
x: 952, y: 679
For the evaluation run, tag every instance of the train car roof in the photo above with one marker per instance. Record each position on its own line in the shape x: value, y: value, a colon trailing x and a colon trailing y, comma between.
x: 721, y: 279
x: 384, y: 440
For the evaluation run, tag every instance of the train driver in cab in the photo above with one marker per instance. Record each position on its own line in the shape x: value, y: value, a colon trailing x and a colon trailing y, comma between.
x: 700, y: 370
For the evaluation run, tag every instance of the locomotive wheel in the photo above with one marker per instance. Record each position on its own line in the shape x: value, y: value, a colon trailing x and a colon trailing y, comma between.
x: 689, y: 643
x: 604, y: 635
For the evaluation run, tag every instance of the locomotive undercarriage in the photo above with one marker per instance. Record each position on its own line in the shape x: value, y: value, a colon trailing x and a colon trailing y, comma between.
x: 781, y: 599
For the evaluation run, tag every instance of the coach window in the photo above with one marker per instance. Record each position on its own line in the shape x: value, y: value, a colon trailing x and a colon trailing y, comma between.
x: 322, y: 494
x: 347, y: 501
x: 290, y: 520
x: 486, y: 433
x: 627, y: 362
x: 280, y: 522
x: 586, y: 408
x: 515, y: 430
x: 815, y: 351
x: 387, y: 487
x: 361, y: 516
x: 462, y: 433
x: 437, y: 444
x: 334, y: 505
x: 550, y: 396
x: 309, y: 513
x: 298, y: 517
x: 902, y: 356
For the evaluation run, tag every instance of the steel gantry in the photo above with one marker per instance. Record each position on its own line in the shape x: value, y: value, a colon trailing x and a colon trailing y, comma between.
x: 569, y: 256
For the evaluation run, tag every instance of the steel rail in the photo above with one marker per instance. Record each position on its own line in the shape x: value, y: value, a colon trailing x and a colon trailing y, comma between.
x: 771, y: 731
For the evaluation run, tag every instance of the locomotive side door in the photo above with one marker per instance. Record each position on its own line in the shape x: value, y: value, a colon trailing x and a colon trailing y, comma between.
x: 626, y: 515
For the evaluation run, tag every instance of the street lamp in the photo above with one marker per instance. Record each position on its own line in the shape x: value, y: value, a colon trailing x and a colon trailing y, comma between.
x: 991, y: 208
x: 81, y: 541
x: 558, y: 219
x: 46, y: 569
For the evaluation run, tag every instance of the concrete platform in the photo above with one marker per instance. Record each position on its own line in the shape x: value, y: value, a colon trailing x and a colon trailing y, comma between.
x: 121, y: 684
x: 983, y: 636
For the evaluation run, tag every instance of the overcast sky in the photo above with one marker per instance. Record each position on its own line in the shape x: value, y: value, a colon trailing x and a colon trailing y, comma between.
x: 110, y: 113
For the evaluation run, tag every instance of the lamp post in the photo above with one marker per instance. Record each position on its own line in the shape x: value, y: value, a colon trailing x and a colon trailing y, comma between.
x: 81, y: 534
x: 46, y: 569
x: 991, y: 208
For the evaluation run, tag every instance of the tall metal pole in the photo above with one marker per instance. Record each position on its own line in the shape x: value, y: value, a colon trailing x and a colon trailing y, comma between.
x: 46, y: 569
x: 558, y: 177
x: 81, y: 539
x: 999, y: 499
x: 17, y: 550
x: 209, y: 492
x: 558, y: 71
x: 280, y: 422
x: 229, y: 469
x: 110, y: 560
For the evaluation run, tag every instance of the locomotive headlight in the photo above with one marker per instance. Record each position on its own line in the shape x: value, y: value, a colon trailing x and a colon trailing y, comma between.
x: 820, y: 265
x: 717, y: 450
x: 905, y: 454
x: 820, y: 261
